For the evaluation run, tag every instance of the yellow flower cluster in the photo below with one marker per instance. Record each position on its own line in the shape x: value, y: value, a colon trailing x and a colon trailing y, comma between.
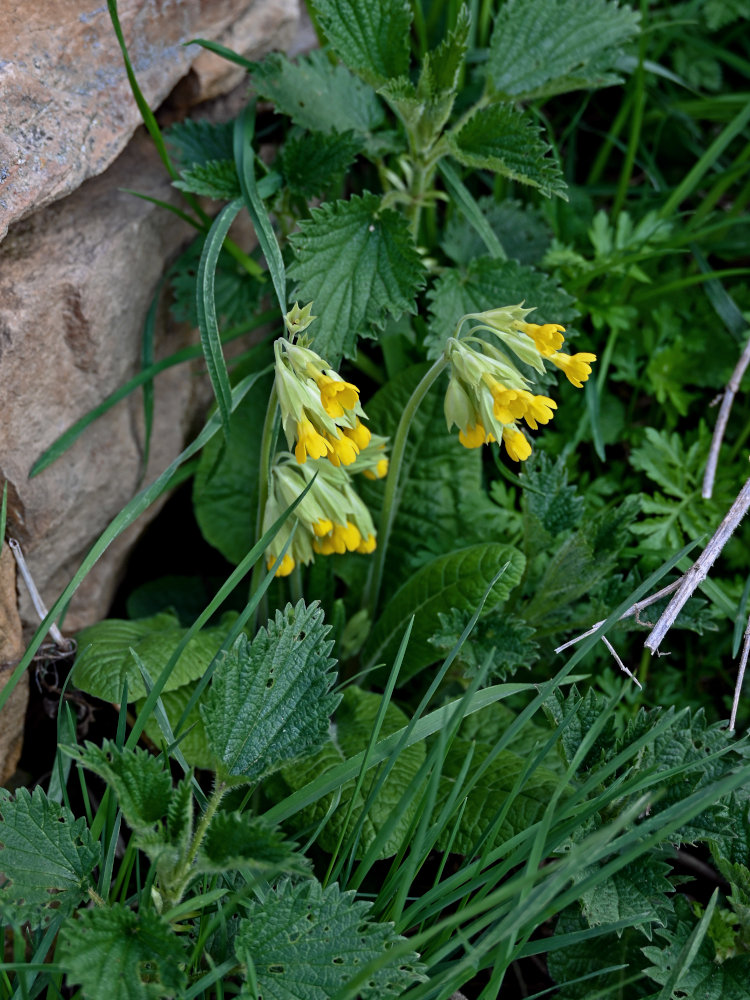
x: 487, y: 396
x: 321, y: 417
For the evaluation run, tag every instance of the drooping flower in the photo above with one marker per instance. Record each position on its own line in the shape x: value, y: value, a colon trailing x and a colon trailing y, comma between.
x: 330, y: 518
x: 577, y: 367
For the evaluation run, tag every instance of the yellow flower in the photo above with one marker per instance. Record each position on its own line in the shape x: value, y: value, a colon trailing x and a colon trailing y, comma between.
x: 577, y: 367
x: 336, y: 395
x: 547, y: 338
x: 516, y: 444
x: 309, y: 442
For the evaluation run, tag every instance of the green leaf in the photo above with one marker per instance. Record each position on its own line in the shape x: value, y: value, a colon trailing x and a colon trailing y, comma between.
x: 639, y: 888
x: 505, y: 642
x: 307, y: 941
x: 587, y: 965
x: 457, y: 580
x: 353, y: 723
x: 550, y: 505
x: 544, y: 47
x: 196, y: 142
x: 490, y: 793
x: 115, y: 953
x: 507, y: 141
x: 320, y: 96
x: 315, y: 162
x: 358, y: 264
x: 105, y: 661
x: 270, y: 701
x: 522, y: 230
x: 241, y: 840
x: 236, y: 293
x: 225, y: 488
x: 140, y: 781
x: 47, y: 857
x: 215, y: 179
x: 488, y: 283
x: 371, y: 38
x: 192, y: 738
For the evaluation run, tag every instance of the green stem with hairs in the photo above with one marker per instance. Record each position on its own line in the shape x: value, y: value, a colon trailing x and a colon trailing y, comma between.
x: 175, y: 891
x: 390, y: 506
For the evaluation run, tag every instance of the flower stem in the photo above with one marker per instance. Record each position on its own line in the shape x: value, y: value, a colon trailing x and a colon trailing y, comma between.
x: 264, y: 472
x: 174, y: 892
x: 390, y: 505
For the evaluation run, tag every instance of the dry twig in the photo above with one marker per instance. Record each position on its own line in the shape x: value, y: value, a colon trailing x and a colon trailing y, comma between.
x: 721, y: 421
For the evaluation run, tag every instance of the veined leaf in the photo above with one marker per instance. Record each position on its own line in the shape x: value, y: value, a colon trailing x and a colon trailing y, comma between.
x: 116, y: 953
x: 270, y: 700
x: 639, y: 888
x: 47, y: 857
x: 486, y: 284
x: 544, y: 47
x: 522, y: 230
x: 353, y: 725
x: 192, y: 738
x: 457, y: 580
x: 215, y: 179
x: 241, y: 840
x: 371, y: 38
x: 197, y: 141
x: 307, y: 941
x: 358, y: 264
x: 506, y: 140
x: 105, y: 662
x: 315, y: 162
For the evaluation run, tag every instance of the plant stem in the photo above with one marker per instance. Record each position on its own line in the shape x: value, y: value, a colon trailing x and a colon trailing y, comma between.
x: 390, y: 505
x: 173, y: 893
x: 264, y: 472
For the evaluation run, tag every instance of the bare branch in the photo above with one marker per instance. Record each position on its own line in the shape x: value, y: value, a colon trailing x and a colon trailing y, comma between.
x: 699, y: 570
x: 57, y: 637
x: 740, y: 677
x: 619, y: 662
x: 721, y: 421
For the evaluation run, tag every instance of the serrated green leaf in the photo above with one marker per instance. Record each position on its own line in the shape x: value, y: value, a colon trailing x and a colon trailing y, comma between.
x: 47, y: 857
x: 507, y: 141
x: 486, y: 284
x: 522, y: 230
x: 321, y: 96
x: 215, y: 179
x: 575, y: 965
x: 236, y: 293
x: 140, y: 781
x: 544, y: 47
x: 270, y: 701
x: 639, y: 888
x: 550, y: 505
x: 192, y: 738
x: 198, y: 141
x: 457, y: 580
x: 489, y: 794
x: 504, y: 642
x: 105, y: 661
x: 241, y: 840
x: 371, y: 38
x: 115, y: 952
x: 354, y: 721
x: 442, y: 66
x: 225, y: 489
x: 584, y: 712
x: 306, y: 941
x: 358, y: 264
x: 316, y: 162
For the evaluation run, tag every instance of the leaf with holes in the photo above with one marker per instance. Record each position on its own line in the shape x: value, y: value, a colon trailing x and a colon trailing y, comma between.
x: 47, y: 858
x: 270, y: 700
x: 307, y: 941
x: 358, y: 264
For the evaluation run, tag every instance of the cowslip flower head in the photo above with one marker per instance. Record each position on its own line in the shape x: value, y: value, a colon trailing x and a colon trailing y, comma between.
x: 487, y: 395
x: 372, y: 460
x: 320, y: 411
x: 330, y: 518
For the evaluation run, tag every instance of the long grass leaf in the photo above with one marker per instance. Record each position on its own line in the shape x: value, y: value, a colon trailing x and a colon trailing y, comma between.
x: 471, y: 211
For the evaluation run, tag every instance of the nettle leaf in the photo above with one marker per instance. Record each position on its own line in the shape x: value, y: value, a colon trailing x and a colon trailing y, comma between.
x: 358, y: 264
x: 544, y: 47
x: 507, y: 141
x: 192, y: 738
x: 550, y: 505
x: 490, y: 793
x: 241, y: 840
x: 140, y: 781
x: 270, y: 700
x: 315, y: 162
x: 585, y: 711
x: 321, y: 96
x: 215, y: 179
x: 504, y: 641
x: 105, y: 661
x: 197, y: 141
x: 225, y: 488
x: 307, y: 941
x: 703, y: 978
x: 574, y: 966
x: 457, y: 580
x: 371, y: 38
x: 438, y: 476
x: 236, y: 293
x: 523, y: 231
x: 352, y: 729
x: 639, y: 888
x: 488, y: 283
x: 47, y: 857
x: 116, y: 953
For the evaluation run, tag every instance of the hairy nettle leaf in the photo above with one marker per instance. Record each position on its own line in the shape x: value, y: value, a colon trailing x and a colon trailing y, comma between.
x: 372, y: 38
x: 270, y: 700
x: 116, y: 953
x: 46, y: 857
x: 358, y: 264
x: 241, y: 840
x: 316, y: 162
x: 307, y: 941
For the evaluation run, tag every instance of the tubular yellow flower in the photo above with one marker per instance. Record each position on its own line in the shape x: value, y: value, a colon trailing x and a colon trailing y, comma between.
x: 309, y: 442
x: 537, y: 409
x: 547, y: 337
x: 343, y: 450
x: 516, y: 444
x: 336, y: 395
x: 473, y: 437
x: 577, y: 367
x: 359, y: 434
x: 285, y: 566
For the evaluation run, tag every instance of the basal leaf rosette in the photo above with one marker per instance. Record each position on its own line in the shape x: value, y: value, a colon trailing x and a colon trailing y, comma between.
x: 487, y: 396
x: 330, y: 518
